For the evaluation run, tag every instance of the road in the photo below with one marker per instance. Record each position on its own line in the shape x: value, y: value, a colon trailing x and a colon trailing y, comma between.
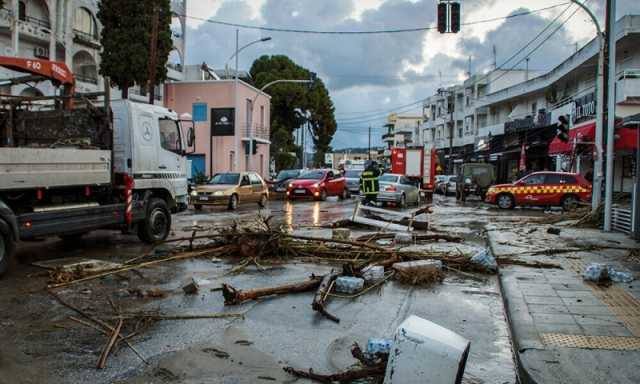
x: 274, y: 332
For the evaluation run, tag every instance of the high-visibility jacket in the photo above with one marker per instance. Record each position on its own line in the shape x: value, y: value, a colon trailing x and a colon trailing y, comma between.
x: 369, y: 182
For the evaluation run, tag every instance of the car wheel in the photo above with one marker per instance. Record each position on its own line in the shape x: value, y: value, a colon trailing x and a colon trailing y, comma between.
x: 263, y: 201
x: 403, y: 201
x: 156, y: 225
x: 344, y: 195
x: 7, y: 248
x: 233, y: 202
x: 197, y: 207
x: 505, y: 201
x: 323, y: 195
x: 569, y: 203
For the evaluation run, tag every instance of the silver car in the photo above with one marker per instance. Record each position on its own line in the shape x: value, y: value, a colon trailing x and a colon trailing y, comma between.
x: 398, y: 189
x: 352, y: 178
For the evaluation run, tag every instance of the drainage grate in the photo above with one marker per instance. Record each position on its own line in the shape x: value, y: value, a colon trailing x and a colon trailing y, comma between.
x: 592, y: 342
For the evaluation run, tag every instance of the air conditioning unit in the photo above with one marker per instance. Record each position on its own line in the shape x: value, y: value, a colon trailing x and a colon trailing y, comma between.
x: 41, y: 52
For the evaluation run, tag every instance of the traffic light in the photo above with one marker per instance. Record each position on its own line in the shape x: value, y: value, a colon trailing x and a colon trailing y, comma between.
x: 563, y: 128
x: 442, y: 17
x: 449, y: 16
x: 455, y: 17
x: 254, y: 147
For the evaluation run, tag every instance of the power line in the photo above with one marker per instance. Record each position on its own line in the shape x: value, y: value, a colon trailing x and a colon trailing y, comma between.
x: 372, y: 32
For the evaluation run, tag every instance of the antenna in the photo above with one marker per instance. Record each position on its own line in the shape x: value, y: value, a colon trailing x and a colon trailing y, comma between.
x: 495, y: 57
x: 469, y: 71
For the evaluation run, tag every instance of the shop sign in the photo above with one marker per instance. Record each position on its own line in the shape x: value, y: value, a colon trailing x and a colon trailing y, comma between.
x: 518, y: 125
x: 584, y: 107
x: 222, y: 121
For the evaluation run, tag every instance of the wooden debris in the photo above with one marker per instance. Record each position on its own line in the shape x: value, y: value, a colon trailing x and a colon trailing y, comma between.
x: 321, y: 295
x: 532, y: 264
x: 234, y: 296
x: 342, y: 377
x: 107, y: 348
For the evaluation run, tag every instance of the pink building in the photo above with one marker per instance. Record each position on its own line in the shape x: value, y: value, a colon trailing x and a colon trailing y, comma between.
x: 219, y: 130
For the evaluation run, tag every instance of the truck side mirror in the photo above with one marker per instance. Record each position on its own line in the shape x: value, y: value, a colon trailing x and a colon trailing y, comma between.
x: 191, y: 136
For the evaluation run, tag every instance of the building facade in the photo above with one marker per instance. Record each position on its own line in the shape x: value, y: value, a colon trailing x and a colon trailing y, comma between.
x: 491, y: 117
x: 69, y: 31
x: 219, y: 138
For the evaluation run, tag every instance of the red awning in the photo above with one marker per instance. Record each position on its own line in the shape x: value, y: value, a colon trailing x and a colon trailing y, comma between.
x: 579, y: 134
x: 626, y: 139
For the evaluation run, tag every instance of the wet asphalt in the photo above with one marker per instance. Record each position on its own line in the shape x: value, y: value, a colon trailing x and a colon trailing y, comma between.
x: 37, y: 331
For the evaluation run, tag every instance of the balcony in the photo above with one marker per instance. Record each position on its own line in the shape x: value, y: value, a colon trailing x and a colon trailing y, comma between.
x: 493, y: 130
x: 259, y: 132
x: 86, y: 79
x: 628, y: 87
x: 86, y: 39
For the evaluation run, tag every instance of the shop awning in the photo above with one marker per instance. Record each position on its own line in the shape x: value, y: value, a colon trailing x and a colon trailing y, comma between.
x: 578, y: 134
x: 626, y: 139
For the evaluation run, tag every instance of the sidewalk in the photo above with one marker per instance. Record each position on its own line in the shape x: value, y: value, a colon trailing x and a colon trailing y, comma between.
x: 564, y: 329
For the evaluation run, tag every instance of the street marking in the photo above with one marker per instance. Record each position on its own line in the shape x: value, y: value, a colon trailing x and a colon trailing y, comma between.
x: 615, y: 343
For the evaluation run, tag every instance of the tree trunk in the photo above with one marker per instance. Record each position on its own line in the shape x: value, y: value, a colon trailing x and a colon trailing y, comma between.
x: 321, y: 295
x: 125, y: 92
x: 234, y: 296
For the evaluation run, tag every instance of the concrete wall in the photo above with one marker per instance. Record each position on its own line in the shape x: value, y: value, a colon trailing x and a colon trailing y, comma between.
x: 219, y: 94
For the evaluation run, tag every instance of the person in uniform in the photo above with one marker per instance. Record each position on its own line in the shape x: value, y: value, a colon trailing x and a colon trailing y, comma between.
x: 369, y: 182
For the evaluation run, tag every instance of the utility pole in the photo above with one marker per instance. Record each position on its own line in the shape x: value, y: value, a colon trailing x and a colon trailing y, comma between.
x: 236, y: 131
x: 153, y: 54
x: 369, y: 153
x: 611, y: 111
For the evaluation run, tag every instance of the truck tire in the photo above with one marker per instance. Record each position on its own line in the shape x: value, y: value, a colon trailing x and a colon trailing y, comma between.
x: 157, y: 223
x: 7, y: 252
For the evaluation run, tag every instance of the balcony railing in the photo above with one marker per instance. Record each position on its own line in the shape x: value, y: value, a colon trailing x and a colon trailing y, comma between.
x: 85, y: 38
x: 86, y: 78
x: 175, y: 66
x: 257, y: 132
x: 35, y: 21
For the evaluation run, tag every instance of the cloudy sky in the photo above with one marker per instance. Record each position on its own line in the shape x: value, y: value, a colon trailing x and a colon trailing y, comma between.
x: 369, y: 76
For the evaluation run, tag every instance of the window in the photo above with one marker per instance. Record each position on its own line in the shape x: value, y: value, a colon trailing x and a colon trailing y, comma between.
x: 568, y: 179
x: 225, y: 179
x: 534, y: 109
x: 460, y: 132
x: 262, y: 116
x: 22, y: 11
x: 255, y: 179
x: 199, y: 112
x: 245, y: 180
x: 553, y: 178
x: 170, y: 135
x: 534, y: 180
x: 83, y: 22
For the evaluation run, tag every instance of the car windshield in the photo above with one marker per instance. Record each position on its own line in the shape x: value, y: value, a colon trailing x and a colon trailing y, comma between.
x: 312, y: 175
x: 352, y: 174
x: 225, y: 179
x: 388, y: 178
x: 287, y: 174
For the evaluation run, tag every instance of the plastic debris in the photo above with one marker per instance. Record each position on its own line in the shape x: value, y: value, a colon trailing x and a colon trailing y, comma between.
x: 404, y: 238
x: 485, y: 259
x: 419, y: 272
x: 373, y: 273
x: 192, y: 288
x: 348, y: 284
x: 619, y: 276
x: 596, y: 272
x: 378, y: 345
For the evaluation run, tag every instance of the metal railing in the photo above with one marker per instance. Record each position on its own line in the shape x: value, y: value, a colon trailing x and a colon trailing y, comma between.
x: 91, y: 37
x: 257, y: 132
x: 621, y: 220
x: 86, y: 78
x: 34, y: 20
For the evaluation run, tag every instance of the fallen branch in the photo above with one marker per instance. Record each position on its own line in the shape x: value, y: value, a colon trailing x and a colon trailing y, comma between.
x: 161, y: 316
x: 532, y: 264
x: 107, y: 348
x: 346, y: 242
x: 342, y: 377
x: 233, y: 296
x: 321, y: 294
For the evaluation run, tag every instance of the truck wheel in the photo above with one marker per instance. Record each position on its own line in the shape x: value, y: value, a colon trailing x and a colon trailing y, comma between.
x: 233, y: 203
x: 505, y: 201
x: 7, y: 249
x: 156, y: 225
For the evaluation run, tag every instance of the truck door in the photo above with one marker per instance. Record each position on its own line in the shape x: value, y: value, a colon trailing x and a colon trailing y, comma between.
x: 145, y: 143
x: 170, y: 159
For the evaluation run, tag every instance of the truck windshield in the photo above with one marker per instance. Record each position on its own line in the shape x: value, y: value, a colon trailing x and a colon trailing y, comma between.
x: 225, y: 178
x: 170, y: 135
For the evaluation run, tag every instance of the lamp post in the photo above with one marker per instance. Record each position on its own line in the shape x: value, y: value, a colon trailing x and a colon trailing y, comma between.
x: 236, y: 157
x: 253, y: 104
x: 597, y: 164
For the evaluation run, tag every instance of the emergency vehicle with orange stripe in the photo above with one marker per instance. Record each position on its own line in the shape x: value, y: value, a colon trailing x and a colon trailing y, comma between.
x: 566, y: 190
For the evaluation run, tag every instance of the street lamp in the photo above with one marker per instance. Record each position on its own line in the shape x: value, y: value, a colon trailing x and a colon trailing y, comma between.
x: 253, y: 103
x: 236, y: 157
x: 597, y: 164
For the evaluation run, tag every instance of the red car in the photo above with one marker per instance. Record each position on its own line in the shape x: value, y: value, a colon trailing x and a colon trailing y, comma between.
x: 542, y: 189
x: 318, y: 184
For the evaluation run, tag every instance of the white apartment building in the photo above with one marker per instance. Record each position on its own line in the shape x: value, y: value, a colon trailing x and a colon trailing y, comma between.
x: 403, y: 131
x: 489, y: 117
x: 69, y: 31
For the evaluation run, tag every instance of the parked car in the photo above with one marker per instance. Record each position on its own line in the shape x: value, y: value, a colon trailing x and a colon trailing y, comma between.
x: 352, y: 177
x: 318, y: 184
x: 278, y: 188
x: 446, y: 184
x: 231, y: 189
x: 398, y: 189
x: 542, y: 189
x: 474, y: 179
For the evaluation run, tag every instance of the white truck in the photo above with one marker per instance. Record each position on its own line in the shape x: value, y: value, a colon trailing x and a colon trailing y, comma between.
x: 68, y: 170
